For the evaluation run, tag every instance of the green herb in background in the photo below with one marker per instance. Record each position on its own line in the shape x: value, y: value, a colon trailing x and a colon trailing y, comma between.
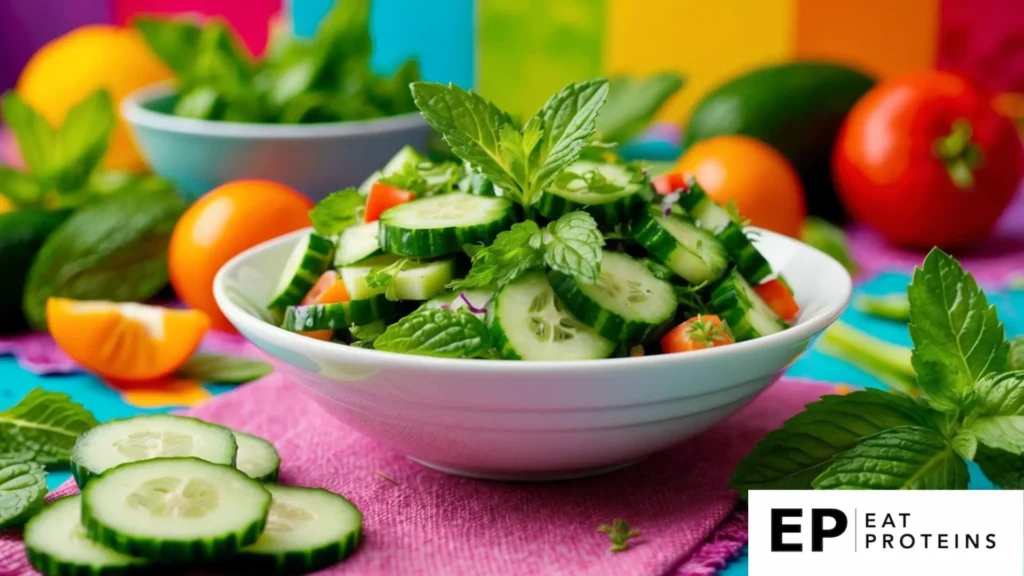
x: 971, y: 406
x: 633, y: 103
x: 830, y: 239
x: 42, y: 428
x: 22, y: 492
x: 216, y: 368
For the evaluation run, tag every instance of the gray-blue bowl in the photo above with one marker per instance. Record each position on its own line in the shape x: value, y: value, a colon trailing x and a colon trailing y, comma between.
x: 316, y: 159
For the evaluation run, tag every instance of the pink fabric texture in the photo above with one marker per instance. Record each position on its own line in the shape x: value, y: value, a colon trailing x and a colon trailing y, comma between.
x: 422, y: 522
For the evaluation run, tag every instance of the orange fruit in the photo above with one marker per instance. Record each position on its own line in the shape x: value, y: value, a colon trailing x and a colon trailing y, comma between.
x: 226, y: 221
x: 125, y: 341
x: 755, y: 176
x: 69, y: 68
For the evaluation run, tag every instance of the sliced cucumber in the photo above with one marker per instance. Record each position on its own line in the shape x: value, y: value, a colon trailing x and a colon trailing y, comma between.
x: 715, y: 219
x: 439, y: 225
x: 678, y: 243
x: 625, y: 303
x: 607, y: 208
x: 143, y: 437
x: 747, y: 314
x: 56, y: 545
x: 309, y: 259
x: 175, y: 510
x: 339, y: 316
x: 417, y: 281
x: 356, y: 243
x: 528, y: 322
x: 256, y: 457
x: 308, y: 529
x: 404, y: 156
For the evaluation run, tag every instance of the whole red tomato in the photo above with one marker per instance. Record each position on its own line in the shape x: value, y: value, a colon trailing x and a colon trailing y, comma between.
x: 926, y: 161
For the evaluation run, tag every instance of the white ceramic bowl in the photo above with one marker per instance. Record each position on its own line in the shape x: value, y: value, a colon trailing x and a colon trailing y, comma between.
x: 532, y: 420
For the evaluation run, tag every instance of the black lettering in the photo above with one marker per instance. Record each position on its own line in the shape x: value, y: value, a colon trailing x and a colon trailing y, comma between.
x: 886, y: 540
x: 779, y: 528
x: 818, y: 531
x: 925, y: 537
x: 904, y: 515
x: 956, y: 541
x: 868, y: 540
x: 869, y: 520
x: 943, y: 541
x: 888, y: 522
x: 991, y: 539
x: 973, y: 540
x: 903, y: 541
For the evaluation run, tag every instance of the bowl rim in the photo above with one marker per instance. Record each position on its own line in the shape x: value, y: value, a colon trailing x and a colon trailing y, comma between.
x: 802, y: 331
x: 134, y: 111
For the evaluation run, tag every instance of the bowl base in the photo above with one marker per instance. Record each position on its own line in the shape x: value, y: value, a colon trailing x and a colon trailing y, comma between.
x: 509, y: 476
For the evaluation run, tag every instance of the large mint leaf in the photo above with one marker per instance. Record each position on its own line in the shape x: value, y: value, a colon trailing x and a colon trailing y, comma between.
x: 791, y: 457
x: 957, y: 336
x: 22, y: 492
x: 569, y: 120
x: 512, y: 254
x: 904, y: 458
x: 42, y: 428
x: 1004, y: 469
x: 470, y: 125
x: 443, y: 333
x: 82, y: 140
x: 998, y: 419
x: 573, y: 246
x: 632, y: 104
x: 175, y: 41
x: 36, y: 138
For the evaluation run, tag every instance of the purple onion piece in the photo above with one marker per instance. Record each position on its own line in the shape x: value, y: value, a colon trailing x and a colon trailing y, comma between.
x: 470, y: 305
x: 668, y: 201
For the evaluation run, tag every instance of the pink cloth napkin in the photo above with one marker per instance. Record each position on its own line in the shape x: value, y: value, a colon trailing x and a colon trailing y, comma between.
x: 422, y: 522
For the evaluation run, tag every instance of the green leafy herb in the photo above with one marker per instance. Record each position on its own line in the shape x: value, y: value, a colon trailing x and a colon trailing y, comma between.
x: 114, y: 248
x: 895, y: 307
x: 425, y: 178
x: 592, y: 180
x: 37, y: 140
x: 903, y: 458
x: 381, y: 276
x: 367, y: 333
x: 572, y: 245
x: 887, y: 362
x: 691, y: 298
x: 1015, y: 359
x: 965, y: 443
x: 513, y: 253
x: 337, y: 211
x: 957, y: 336
x: 22, y: 492
x: 224, y: 369
x: 521, y: 161
x: 443, y: 333
x: 1002, y: 468
x: 998, y: 419
x: 830, y: 239
x: 633, y: 103
x: 659, y: 270
x: 791, y: 457
x: 619, y: 533
x: 42, y: 428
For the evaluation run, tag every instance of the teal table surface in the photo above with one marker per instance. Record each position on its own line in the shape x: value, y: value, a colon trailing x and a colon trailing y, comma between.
x: 107, y: 403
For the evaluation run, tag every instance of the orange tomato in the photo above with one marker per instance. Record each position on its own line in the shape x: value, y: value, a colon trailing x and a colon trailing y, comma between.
x: 226, y: 221
x: 752, y: 174
x: 778, y: 297
x: 125, y: 341
x: 329, y: 289
x: 382, y: 197
x: 697, y: 333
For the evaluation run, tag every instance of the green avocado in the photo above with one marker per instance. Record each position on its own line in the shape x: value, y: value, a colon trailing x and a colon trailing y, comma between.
x: 22, y: 234
x: 112, y: 249
x: 797, y: 108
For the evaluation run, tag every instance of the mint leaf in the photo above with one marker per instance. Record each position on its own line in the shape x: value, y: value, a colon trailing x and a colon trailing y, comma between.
x: 42, y: 428
x: 20, y: 187
x: 175, y: 41
x: 513, y: 253
x: 572, y: 245
x: 957, y: 336
x: 791, y: 457
x: 965, y: 443
x: 223, y: 369
x: 1015, y: 360
x: 470, y: 125
x: 82, y: 140
x: 443, y: 333
x: 632, y: 104
x: 998, y: 418
x: 425, y: 178
x: 22, y: 492
x: 830, y: 239
x: 1004, y: 469
x: 381, y: 276
x: 904, y: 458
x: 367, y: 332
x: 569, y: 119
x: 37, y: 140
x: 337, y: 211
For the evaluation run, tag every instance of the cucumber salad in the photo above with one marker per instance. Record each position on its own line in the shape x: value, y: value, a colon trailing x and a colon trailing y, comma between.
x: 539, y: 245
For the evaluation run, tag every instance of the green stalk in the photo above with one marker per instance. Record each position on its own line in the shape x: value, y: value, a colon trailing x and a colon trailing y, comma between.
x: 890, y: 363
x: 895, y: 307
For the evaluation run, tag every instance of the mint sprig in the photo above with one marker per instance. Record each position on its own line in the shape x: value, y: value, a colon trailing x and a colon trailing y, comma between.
x: 970, y: 408
x: 42, y: 428
x: 337, y: 211
x: 443, y: 333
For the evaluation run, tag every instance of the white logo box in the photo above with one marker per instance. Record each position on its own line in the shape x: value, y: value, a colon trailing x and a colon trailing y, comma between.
x: 906, y: 533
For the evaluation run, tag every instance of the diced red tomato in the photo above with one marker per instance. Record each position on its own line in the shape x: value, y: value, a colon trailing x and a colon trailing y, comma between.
x: 697, y: 333
x: 777, y: 296
x: 382, y: 197
x: 329, y: 289
x: 669, y: 183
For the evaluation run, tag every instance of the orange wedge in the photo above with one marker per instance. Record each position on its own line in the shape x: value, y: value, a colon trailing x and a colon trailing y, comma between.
x: 125, y: 341
x: 329, y: 289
